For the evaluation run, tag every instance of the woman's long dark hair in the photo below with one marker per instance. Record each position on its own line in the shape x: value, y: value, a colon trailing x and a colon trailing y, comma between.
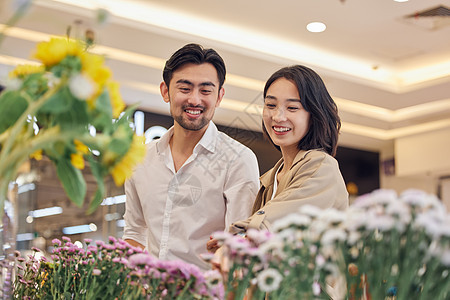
x: 324, y: 123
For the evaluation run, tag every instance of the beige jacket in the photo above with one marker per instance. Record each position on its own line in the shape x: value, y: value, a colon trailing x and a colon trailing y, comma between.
x: 314, y: 178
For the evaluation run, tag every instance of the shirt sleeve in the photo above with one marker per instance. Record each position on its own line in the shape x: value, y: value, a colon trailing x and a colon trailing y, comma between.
x: 317, y: 181
x: 135, y: 225
x: 241, y: 186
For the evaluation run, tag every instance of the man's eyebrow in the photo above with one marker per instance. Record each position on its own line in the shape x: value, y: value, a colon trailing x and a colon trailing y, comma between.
x: 207, y: 83
x: 184, y: 81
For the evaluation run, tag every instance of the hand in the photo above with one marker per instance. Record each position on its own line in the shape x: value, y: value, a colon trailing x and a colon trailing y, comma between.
x: 212, y: 245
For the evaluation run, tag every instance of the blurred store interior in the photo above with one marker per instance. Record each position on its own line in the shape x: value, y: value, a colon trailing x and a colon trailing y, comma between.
x: 386, y: 64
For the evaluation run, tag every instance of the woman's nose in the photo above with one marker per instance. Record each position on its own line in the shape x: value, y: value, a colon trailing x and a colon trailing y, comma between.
x: 279, y: 115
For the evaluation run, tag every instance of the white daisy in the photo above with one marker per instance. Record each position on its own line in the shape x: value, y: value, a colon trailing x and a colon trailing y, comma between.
x: 269, y: 280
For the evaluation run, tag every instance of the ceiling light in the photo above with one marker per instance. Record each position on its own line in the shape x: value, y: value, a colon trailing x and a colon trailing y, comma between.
x: 49, y: 211
x: 401, y: 0
x: 80, y: 229
x: 316, y: 27
x: 114, y: 200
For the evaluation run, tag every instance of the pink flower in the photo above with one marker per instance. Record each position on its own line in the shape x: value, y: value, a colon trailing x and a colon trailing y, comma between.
x: 139, y: 259
x: 96, y: 272
x: 56, y: 242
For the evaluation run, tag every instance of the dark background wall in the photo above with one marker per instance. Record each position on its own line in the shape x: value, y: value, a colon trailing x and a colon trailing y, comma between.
x: 359, y: 168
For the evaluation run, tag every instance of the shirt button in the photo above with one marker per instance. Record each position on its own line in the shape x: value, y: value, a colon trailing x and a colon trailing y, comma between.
x: 261, y: 212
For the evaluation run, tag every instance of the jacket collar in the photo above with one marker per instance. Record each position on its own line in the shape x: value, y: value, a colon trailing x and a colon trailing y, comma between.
x: 268, y: 178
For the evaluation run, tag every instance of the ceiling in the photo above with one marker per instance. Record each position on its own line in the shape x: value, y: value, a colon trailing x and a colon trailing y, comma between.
x: 389, y: 75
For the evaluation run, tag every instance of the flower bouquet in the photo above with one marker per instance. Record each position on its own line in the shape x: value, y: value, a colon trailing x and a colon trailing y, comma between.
x: 113, y: 270
x: 70, y: 110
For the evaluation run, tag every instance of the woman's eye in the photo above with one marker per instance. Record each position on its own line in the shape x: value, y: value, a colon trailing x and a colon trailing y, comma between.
x: 268, y: 105
x: 293, y: 108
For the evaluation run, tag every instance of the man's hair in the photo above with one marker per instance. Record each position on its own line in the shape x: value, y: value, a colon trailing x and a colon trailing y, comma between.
x: 194, y: 54
x: 324, y: 123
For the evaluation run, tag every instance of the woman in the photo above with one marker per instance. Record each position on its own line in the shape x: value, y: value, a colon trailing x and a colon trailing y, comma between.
x: 301, y: 120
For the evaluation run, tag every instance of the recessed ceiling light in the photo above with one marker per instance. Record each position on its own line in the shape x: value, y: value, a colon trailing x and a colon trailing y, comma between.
x: 401, y: 0
x: 316, y: 27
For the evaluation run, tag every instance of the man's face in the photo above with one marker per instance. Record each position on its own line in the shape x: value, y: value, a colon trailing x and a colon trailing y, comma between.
x: 193, y: 95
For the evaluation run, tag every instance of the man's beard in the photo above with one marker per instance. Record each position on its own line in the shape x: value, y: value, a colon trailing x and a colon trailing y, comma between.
x: 194, y: 125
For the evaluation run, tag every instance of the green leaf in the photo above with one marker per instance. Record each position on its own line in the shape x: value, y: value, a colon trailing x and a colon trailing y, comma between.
x: 98, y: 171
x: 97, y: 198
x: 60, y: 102
x: 72, y: 181
x: 120, y: 146
x: 103, y: 104
x: 12, y: 106
x: 75, y: 118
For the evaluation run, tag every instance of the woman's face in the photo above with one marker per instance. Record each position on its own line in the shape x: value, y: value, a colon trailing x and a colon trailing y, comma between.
x: 285, y: 119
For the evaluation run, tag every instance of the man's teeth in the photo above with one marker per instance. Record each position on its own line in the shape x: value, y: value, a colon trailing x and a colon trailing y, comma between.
x: 281, y: 129
x: 193, y: 112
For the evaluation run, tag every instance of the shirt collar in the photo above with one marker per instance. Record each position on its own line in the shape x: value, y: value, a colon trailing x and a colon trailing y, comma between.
x: 208, y: 140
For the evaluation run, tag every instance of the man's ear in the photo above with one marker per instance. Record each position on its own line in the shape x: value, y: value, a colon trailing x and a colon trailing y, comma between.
x: 164, y: 91
x: 220, y: 96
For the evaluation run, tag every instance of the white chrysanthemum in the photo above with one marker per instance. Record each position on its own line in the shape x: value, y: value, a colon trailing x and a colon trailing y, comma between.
x: 310, y: 210
x: 333, y: 235
x: 377, y: 197
x: 274, y: 244
x: 52, y: 80
x: 317, y: 228
x: 445, y: 258
x: 258, y: 236
x: 332, y: 216
x: 353, y: 237
x: 291, y: 220
x: 269, y: 280
x: 382, y: 223
x: 81, y: 87
x: 221, y: 235
x: 421, y: 199
x: 237, y: 243
x: 429, y: 223
x: 356, y: 219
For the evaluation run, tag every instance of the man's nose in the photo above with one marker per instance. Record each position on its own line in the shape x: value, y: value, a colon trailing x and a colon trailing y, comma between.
x: 195, y: 98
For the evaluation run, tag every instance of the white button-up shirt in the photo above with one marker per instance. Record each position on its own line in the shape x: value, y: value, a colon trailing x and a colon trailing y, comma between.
x: 174, y: 213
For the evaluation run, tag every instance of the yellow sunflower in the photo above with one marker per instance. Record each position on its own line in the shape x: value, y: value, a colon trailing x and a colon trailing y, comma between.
x: 81, y: 148
x: 77, y: 160
x: 117, y: 103
x: 23, y: 70
x: 55, y: 50
x: 124, y: 168
x: 37, y: 155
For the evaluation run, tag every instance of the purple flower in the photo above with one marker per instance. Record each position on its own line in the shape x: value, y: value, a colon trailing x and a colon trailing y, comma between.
x: 88, y: 241
x: 66, y: 239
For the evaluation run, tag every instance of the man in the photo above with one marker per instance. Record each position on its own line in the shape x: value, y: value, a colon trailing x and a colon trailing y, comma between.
x: 194, y: 180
